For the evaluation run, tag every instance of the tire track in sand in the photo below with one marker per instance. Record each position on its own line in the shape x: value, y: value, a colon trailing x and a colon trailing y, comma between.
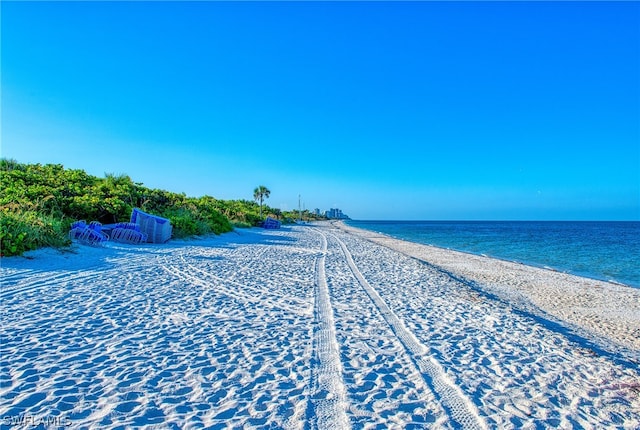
x: 329, y: 399
x: 291, y: 303
x: 461, y: 410
x: 209, y: 281
x: 48, y: 280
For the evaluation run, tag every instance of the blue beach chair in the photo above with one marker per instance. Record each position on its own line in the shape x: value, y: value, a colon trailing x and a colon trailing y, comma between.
x: 271, y: 223
x: 88, y: 234
x: 128, y: 232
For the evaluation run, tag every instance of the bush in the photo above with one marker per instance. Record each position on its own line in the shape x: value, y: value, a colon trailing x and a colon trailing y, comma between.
x: 185, y: 223
x: 22, y: 231
x: 196, y: 217
x: 206, y: 209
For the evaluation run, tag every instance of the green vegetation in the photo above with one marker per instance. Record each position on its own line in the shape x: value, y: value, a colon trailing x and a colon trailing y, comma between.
x: 259, y: 194
x: 38, y: 203
x: 25, y: 230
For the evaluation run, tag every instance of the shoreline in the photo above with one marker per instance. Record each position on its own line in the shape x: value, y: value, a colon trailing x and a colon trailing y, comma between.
x: 537, y: 264
x: 602, y: 310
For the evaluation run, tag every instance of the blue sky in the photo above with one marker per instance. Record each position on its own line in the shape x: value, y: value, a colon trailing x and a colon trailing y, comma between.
x: 387, y: 110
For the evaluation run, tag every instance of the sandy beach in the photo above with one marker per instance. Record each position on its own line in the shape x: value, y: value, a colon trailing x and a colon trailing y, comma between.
x: 318, y: 326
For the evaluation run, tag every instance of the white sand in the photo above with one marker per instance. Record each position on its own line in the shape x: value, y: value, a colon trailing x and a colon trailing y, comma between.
x: 310, y: 327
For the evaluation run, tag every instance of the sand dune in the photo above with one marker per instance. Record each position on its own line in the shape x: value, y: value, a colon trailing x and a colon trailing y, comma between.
x: 307, y: 327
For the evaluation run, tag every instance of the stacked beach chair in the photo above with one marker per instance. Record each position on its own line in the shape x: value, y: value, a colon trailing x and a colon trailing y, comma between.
x: 128, y: 232
x: 157, y: 229
x: 90, y: 234
x: 271, y: 223
x: 143, y: 227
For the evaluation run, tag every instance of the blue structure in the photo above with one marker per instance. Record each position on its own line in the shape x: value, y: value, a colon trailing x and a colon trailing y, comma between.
x: 271, y: 223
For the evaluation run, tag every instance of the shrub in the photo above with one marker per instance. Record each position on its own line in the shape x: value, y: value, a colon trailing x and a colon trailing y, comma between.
x: 22, y: 231
x: 216, y: 221
x: 186, y: 222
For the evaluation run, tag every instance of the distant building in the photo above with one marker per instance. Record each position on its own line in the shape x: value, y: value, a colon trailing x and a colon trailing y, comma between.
x: 335, y: 213
x: 316, y: 212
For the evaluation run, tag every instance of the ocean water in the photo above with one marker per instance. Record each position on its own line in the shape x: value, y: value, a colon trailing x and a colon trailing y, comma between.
x: 606, y: 250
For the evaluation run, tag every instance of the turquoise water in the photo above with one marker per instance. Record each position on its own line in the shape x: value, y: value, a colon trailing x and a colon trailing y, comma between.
x: 600, y: 249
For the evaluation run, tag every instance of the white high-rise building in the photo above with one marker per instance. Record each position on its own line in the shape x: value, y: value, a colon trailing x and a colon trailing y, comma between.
x: 335, y: 213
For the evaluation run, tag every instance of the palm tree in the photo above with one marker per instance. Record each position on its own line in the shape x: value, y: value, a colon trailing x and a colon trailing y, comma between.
x: 259, y: 194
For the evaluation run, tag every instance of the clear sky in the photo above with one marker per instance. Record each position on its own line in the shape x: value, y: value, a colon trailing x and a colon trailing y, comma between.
x: 387, y: 110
